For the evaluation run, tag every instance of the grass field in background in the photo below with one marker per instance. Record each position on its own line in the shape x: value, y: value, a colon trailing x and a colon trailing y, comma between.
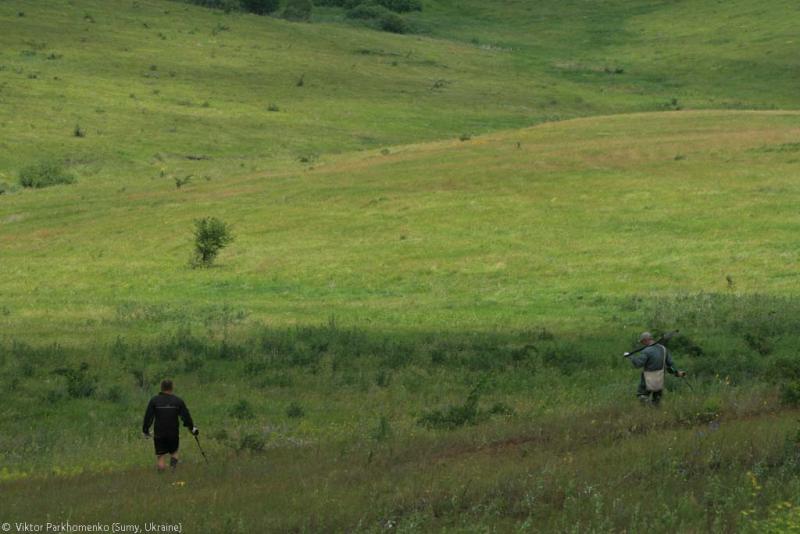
x: 554, y: 225
x: 444, y: 241
x: 152, y: 82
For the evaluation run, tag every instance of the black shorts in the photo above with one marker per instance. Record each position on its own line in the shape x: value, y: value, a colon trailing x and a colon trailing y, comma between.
x: 166, y: 444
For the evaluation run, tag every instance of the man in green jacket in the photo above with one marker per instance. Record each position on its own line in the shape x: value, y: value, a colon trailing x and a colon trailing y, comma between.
x: 654, y: 359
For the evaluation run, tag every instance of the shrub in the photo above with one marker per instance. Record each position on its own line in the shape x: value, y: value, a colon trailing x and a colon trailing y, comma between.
x: 501, y: 408
x: 394, y: 23
x: 686, y: 345
x: 758, y: 342
x: 260, y: 7
x: 298, y: 10
x: 242, y: 410
x: 240, y: 442
x: 566, y: 358
x: 251, y: 442
x: 294, y: 410
x: 367, y: 12
x: 456, y: 415
x: 80, y: 384
x: 180, y: 182
x: 44, y: 174
x: 4, y: 188
x: 784, y: 368
x: 790, y: 393
x: 210, y: 236
x: 377, y: 15
x: 139, y: 376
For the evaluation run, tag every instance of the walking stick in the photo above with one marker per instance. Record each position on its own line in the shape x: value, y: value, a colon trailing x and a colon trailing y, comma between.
x: 691, y: 387
x: 197, y: 440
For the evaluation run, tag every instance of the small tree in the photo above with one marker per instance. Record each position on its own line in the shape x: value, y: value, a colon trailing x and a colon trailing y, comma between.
x: 210, y: 236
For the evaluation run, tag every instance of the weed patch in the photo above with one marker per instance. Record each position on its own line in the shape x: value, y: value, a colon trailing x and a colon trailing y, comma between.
x: 45, y: 174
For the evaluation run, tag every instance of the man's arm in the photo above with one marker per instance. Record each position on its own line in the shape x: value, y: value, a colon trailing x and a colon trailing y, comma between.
x: 670, y: 365
x: 149, y: 415
x: 187, y: 418
x: 639, y: 359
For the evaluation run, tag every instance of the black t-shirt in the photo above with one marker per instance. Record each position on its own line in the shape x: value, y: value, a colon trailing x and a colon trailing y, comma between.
x: 165, y: 409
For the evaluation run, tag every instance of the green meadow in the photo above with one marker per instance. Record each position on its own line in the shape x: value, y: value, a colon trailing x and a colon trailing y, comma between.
x: 444, y: 241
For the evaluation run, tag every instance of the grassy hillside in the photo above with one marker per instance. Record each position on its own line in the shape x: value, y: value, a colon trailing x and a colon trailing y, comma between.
x: 703, y: 54
x: 444, y: 241
x: 519, y: 263
x: 152, y: 82
x: 559, y: 224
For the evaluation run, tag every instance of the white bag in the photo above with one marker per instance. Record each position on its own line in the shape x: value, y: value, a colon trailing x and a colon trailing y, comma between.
x: 654, y: 380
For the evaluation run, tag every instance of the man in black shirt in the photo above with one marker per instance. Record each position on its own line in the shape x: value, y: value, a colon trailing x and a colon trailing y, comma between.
x: 165, y: 408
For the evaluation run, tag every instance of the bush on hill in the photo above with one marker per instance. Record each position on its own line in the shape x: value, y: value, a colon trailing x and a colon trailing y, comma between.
x: 210, y: 236
x: 378, y: 16
x: 44, y: 174
x: 455, y: 415
x: 242, y: 410
x: 393, y: 23
x: 367, y: 11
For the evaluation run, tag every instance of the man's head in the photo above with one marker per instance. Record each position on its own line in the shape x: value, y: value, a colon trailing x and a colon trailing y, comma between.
x: 166, y: 386
x: 646, y: 338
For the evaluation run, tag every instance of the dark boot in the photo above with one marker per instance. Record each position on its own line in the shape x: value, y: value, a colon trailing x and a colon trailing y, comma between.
x: 656, y: 398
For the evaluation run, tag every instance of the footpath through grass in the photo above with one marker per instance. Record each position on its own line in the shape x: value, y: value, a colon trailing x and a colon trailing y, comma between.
x: 576, y: 473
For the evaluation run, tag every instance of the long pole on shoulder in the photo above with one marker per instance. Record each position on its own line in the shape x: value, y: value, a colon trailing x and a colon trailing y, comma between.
x: 663, y: 339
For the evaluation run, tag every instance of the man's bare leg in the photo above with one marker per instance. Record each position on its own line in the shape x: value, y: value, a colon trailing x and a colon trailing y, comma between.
x: 161, y: 465
x: 173, y: 460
